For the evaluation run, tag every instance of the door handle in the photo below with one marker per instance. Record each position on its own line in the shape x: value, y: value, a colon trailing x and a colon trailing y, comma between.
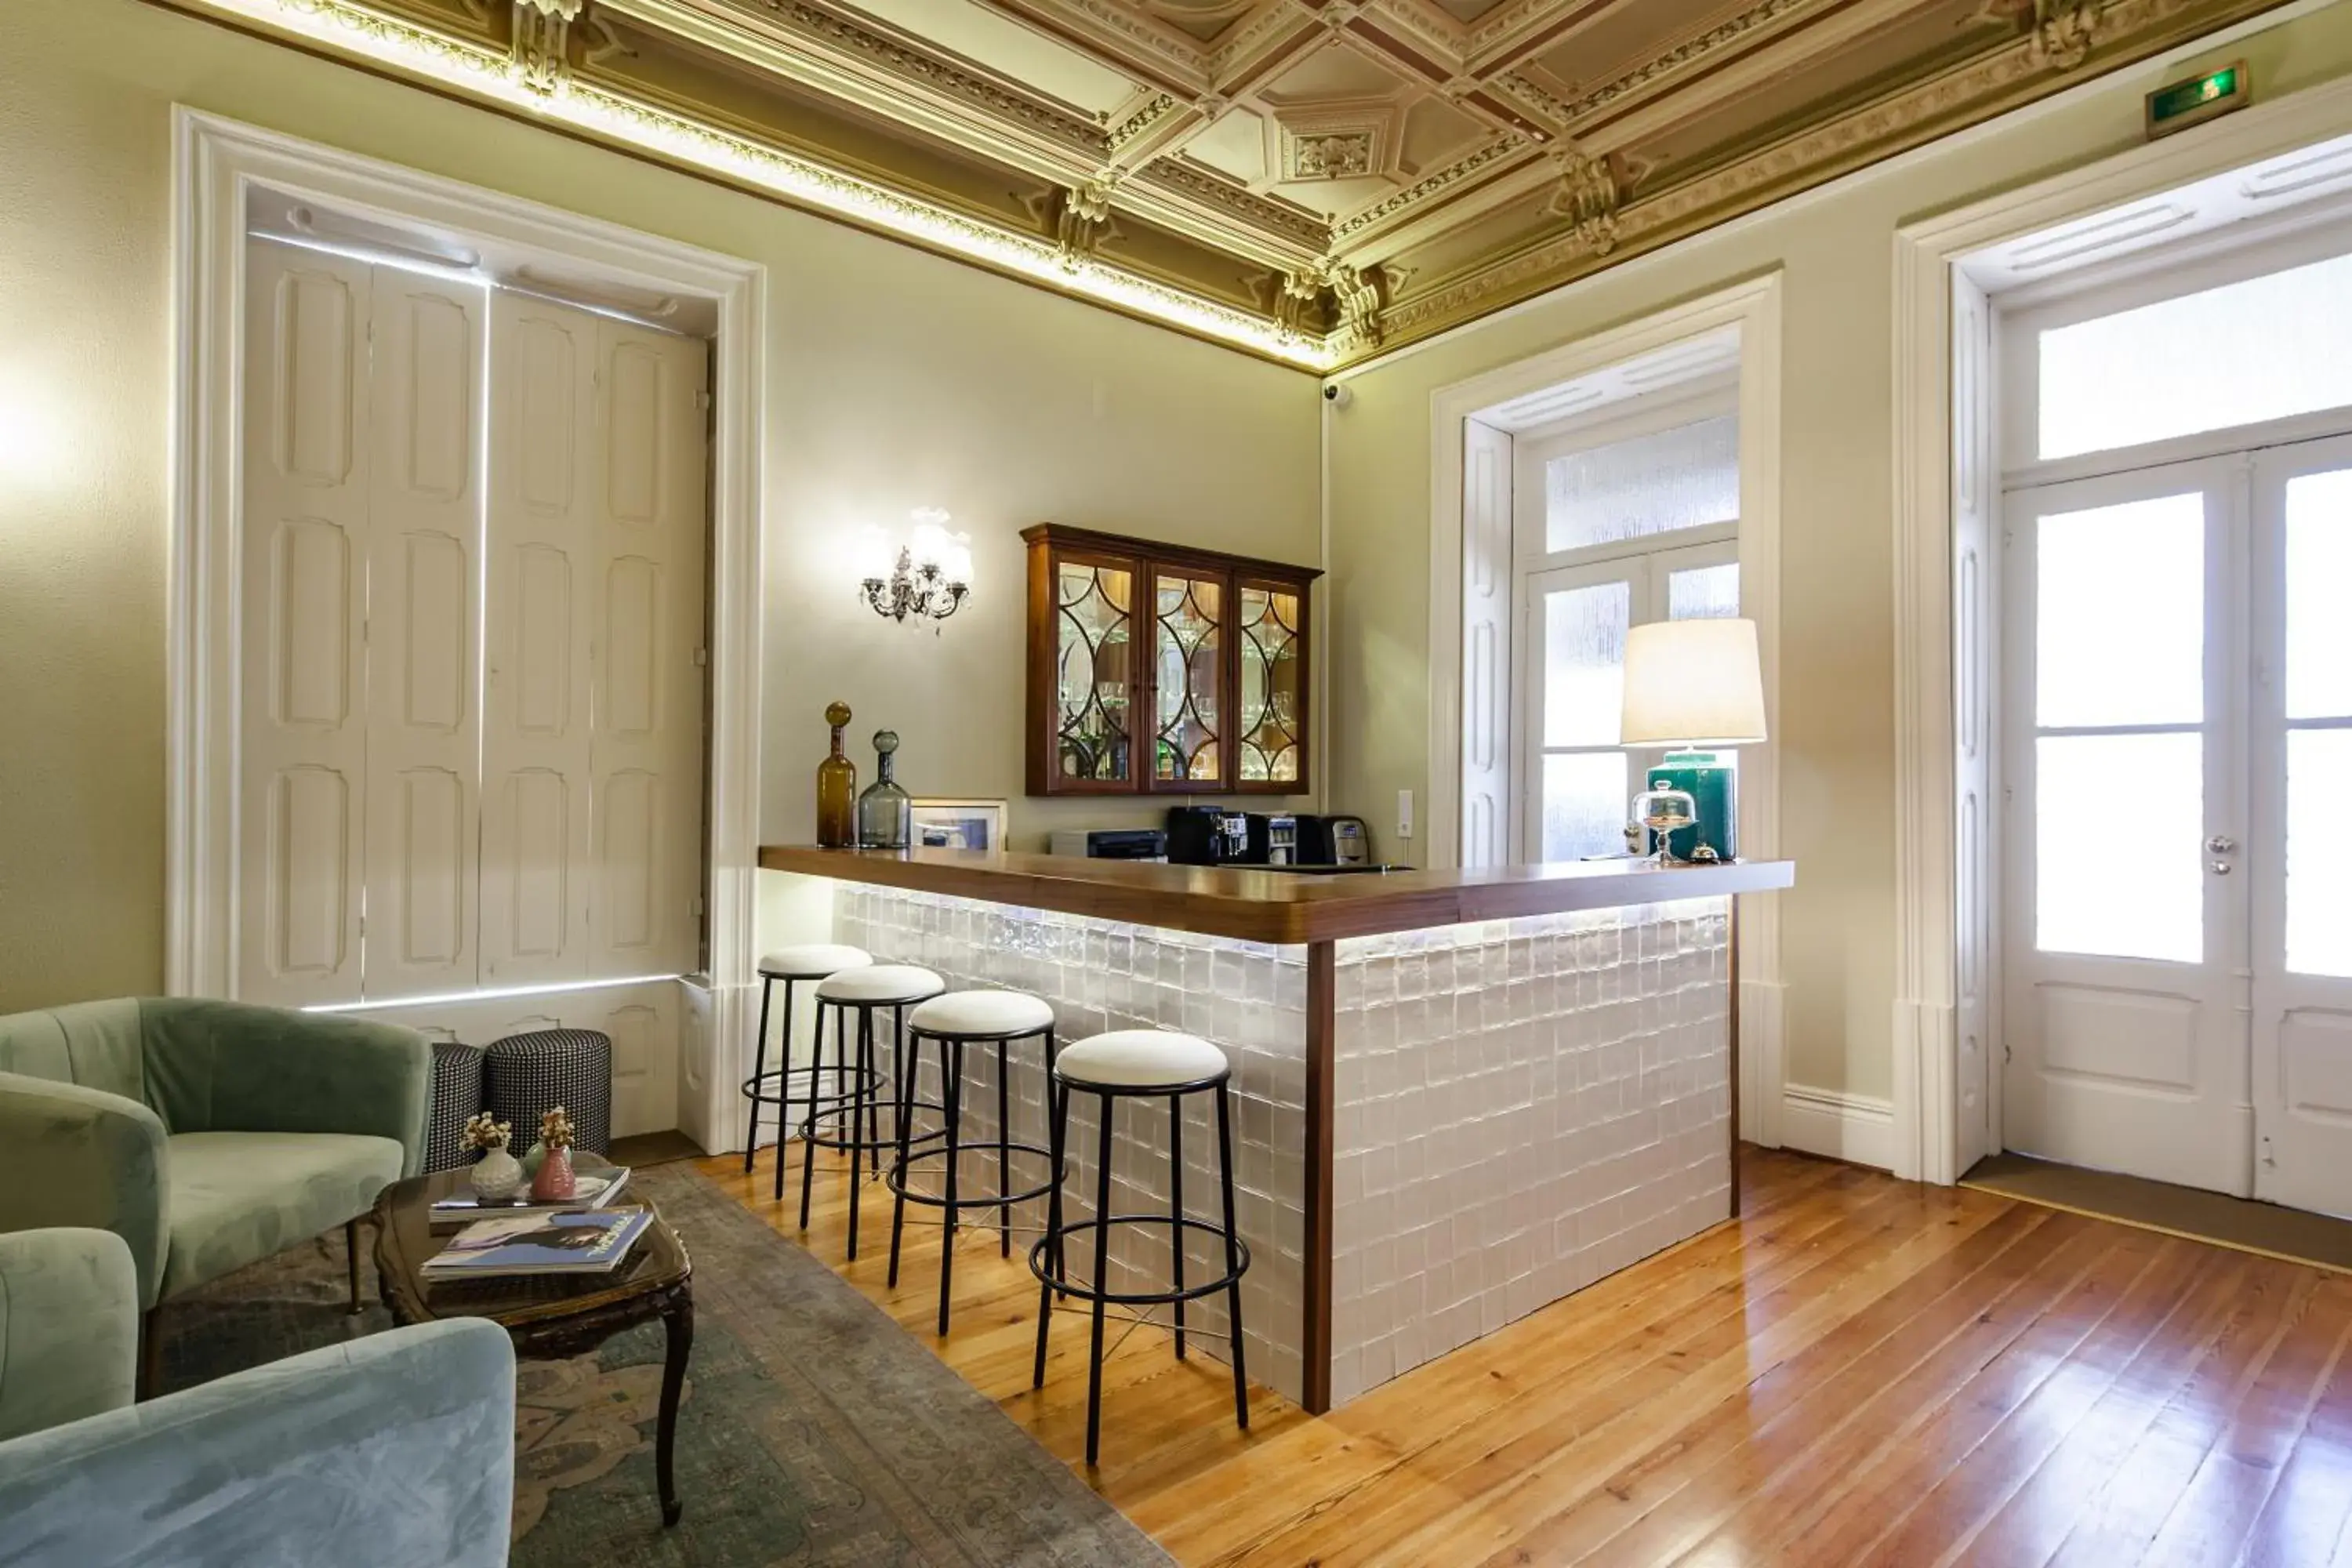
x: 2220, y: 867
x: 2221, y: 844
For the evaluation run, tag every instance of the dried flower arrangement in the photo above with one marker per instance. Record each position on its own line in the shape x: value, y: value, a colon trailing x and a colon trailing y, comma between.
x: 484, y: 1130
x: 556, y: 1129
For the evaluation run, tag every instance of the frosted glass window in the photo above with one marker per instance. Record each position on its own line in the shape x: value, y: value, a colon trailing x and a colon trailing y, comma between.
x: 2119, y: 632
x: 1703, y: 592
x: 2119, y: 822
x: 2318, y: 565
x: 1687, y: 476
x: 1585, y: 798
x: 2318, y: 852
x: 2262, y: 349
x: 1584, y: 663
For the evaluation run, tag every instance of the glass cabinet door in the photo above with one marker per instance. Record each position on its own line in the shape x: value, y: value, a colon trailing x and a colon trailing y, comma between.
x: 1272, y: 686
x: 1093, y: 626
x: 1188, y: 641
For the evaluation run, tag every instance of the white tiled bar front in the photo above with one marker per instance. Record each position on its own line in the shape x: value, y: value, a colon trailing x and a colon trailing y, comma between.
x: 1249, y: 997
x: 1520, y: 1106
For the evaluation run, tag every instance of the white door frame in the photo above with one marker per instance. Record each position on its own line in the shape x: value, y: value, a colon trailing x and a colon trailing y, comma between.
x: 1945, y: 510
x: 215, y: 160
x: 1752, y: 308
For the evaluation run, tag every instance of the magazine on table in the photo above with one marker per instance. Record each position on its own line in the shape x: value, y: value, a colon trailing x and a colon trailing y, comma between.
x: 591, y: 1190
x: 569, y: 1242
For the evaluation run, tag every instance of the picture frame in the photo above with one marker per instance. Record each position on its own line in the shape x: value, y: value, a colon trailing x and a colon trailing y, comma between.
x: 970, y: 825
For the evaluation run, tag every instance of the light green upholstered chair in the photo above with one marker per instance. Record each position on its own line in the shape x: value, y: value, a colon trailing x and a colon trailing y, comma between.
x: 208, y: 1135
x: 393, y: 1451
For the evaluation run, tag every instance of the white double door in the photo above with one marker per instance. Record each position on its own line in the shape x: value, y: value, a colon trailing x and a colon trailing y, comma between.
x: 2177, y: 691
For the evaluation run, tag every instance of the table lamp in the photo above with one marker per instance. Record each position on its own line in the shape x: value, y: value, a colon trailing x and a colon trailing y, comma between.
x: 1694, y: 687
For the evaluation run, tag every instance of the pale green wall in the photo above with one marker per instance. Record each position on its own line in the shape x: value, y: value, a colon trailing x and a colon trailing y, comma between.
x: 1835, y: 251
x: 895, y: 379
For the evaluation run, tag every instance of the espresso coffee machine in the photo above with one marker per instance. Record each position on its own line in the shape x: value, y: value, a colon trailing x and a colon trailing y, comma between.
x: 1273, y: 840
x: 1207, y: 835
x: 1334, y: 841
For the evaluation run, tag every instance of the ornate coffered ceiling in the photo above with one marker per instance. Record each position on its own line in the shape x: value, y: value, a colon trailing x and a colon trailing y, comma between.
x: 1348, y: 174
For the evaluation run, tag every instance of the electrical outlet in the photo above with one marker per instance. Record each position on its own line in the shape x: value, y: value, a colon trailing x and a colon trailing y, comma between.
x: 1404, y: 815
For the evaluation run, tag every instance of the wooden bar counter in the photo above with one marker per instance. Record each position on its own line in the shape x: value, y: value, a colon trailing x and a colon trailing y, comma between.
x: 1461, y: 1094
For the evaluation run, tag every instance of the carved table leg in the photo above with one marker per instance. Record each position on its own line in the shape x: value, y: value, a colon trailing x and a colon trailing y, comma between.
x: 679, y: 1324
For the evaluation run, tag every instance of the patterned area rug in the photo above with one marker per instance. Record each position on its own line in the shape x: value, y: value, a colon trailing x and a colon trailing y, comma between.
x: 814, y: 1430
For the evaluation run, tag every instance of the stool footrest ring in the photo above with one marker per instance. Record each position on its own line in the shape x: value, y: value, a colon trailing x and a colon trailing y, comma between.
x: 887, y: 1142
x: 772, y: 1086
x: 1066, y: 1287
x: 894, y: 1177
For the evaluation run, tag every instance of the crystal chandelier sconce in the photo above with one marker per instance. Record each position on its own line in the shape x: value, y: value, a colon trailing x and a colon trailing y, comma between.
x: 930, y: 578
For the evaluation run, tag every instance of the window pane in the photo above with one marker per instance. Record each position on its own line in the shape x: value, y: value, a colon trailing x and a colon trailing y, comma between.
x: 2119, y: 822
x: 2119, y: 633
x: 2319, y: 852
x: 2201, y: 361
x: 2318, y: 564
x: 1683, y: 477
x: 1585, y: 798
x: 1703, y: 592
x: 1584, y: 664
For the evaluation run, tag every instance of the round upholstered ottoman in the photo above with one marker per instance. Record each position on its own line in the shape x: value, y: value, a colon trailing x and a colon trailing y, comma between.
x: 525, y: 1074
x: 456, y: 1095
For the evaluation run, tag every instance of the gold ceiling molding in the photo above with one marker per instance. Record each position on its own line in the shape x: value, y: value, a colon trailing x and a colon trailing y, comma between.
x: 1310, y: 180
x: 513, y: 80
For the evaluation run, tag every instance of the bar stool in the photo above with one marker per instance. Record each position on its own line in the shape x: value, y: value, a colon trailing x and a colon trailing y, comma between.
x: 1138, y: 1064
x: 957, y: 1019
x: 898, y: 987
x: 810, y: 962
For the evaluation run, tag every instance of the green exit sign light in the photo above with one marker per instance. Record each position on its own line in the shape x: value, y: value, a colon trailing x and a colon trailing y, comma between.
x: 2183, y: 103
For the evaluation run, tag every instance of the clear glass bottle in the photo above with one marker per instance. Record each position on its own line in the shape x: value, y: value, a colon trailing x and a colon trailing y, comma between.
x: 836, y: 789
x: 886, y: 815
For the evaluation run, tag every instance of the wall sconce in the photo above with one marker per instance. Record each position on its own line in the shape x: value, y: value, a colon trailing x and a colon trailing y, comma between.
x: 931, y: 576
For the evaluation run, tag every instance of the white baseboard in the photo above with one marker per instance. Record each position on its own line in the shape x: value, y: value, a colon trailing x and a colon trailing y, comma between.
x: 1853, y: 1126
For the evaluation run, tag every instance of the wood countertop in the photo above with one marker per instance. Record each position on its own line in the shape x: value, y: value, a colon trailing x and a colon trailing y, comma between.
x: 1278, y: 907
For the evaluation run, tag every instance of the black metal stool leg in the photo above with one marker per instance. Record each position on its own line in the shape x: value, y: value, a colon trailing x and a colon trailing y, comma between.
x: 1233, y: 1260
x: 784, y: 1088
x: 1176, y: 1206
x: 861, y: 1114
x: 1058, y: 1112
x: 1003, y: 1156
x: 898, y: 1171
x: 1102, y: 1280
x: 816, y: 1082
x: 760, y: 1066
x: 951, y: 1095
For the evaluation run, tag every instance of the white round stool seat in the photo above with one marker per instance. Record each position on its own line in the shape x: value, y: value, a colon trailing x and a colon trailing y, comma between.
x: 983, y: 1013
x: 1140, y: 1059
x: 812, y: 961
x: 880, y: 983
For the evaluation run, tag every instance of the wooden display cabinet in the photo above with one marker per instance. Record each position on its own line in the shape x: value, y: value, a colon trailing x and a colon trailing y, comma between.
x: 1159, y: 669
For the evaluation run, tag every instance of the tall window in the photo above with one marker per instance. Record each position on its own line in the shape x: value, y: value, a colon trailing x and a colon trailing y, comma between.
x: 1616, y: 523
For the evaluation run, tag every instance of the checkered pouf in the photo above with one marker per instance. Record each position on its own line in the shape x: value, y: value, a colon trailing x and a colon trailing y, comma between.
x: 526, y: 1075
x: 456, y: 1095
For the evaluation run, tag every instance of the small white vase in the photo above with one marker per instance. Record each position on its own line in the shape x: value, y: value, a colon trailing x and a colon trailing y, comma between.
x: 498, y: 1175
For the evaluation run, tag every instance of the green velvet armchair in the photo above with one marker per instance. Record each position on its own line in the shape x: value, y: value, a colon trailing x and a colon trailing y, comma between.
x: 207, y: 1135
x: 391, y: 1451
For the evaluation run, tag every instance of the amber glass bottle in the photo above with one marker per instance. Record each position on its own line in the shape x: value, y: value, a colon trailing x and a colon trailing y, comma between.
x: 836, y: 789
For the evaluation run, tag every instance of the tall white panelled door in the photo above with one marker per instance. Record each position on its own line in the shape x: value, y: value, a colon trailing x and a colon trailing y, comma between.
x: 2178, y: 823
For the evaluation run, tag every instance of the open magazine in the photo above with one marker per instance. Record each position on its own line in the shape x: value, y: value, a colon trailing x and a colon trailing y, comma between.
x: 571, y: 1242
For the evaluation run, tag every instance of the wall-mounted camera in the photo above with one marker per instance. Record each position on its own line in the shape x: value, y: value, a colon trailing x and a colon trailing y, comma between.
x: 1337, y: 394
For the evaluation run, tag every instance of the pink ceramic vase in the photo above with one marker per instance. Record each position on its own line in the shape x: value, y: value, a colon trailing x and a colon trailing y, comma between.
x: 554, y: 1185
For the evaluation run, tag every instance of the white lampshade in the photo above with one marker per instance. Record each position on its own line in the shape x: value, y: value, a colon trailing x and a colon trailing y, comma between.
x: 1693, y: 683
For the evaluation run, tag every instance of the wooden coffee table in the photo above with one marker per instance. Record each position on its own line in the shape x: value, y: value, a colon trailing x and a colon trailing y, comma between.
x: 549, y: 1318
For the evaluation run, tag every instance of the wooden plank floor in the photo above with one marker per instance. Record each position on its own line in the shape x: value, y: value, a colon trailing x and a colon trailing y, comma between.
x: 1860, y: 1370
